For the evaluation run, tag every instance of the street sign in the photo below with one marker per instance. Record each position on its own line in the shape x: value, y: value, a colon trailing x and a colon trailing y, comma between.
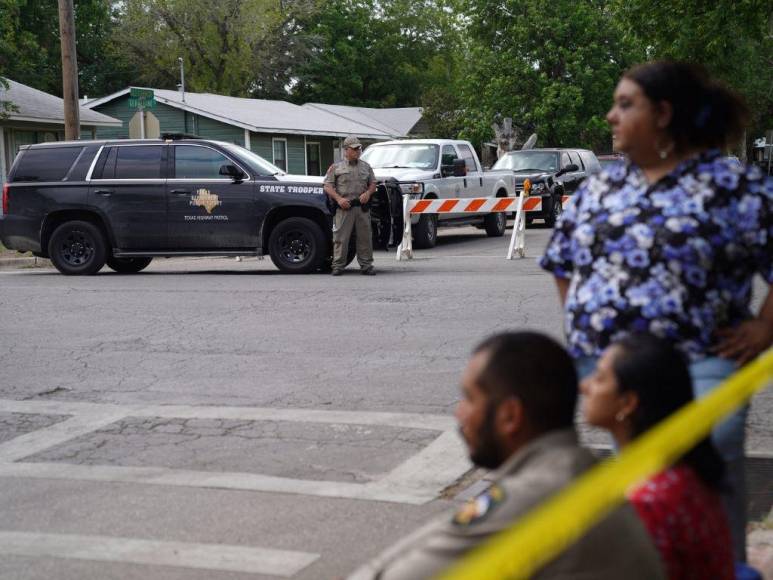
x: 137, y: 103
x: 141, y: 93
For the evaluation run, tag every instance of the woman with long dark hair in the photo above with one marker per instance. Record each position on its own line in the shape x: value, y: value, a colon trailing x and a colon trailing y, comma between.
x: 638, y: 382
x: 668, y: 242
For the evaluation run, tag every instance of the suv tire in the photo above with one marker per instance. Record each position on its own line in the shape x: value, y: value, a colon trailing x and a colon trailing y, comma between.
x: 495, y: 224
x: 425, y: 232
x: 77, y: 248
x: 297, y: 246
x: 127, y: 265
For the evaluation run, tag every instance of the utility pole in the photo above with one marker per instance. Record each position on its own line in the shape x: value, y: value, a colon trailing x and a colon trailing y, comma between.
x: 69, y: 70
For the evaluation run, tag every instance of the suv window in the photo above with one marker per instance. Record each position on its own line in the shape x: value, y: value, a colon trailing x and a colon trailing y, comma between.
x: 45, y: 163
x: 194, y: 162
x: 469, y: 158
x: 564, y: 159
x: 449, y: 154
x: 576, y: 160
x: 138, y: 162
x: 591, y: 163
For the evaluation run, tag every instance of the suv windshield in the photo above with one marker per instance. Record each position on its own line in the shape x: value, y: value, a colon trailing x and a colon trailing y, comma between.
x: 255, y: 161
x: 529, y: 161
x: 407, y: 155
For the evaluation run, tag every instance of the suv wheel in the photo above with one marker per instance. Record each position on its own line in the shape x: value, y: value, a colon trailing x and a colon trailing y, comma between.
x: 127, y: 265
x: 77, y: 248
x: 425, y: 232
x: 297, y: 246
x: 556, y: 209
x: 495, y: 224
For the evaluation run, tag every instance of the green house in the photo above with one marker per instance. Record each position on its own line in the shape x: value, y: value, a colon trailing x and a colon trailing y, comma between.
x: 37, y: 117
x: 299, y: 139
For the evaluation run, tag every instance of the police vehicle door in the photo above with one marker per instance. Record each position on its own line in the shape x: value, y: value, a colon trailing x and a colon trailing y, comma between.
x: 127, y: 186
x: 207, y: 209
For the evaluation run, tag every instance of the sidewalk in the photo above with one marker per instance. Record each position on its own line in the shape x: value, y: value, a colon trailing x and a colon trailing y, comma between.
x: 759, y: 546
x: 10, y: 260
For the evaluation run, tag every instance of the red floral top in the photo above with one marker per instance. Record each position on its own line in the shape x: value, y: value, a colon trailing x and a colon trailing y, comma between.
x: 687, y: 523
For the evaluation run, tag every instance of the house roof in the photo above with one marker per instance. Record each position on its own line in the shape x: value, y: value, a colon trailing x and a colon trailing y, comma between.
x: 398, y: 122
x: 264, y: 116
x: 36, y: 106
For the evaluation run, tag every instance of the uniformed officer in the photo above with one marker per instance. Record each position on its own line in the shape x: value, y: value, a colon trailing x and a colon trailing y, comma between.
x: 351, y: 179
x: 516, y: 416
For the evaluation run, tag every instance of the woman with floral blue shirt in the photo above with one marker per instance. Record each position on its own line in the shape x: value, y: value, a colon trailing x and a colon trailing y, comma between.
x: 669, y: 241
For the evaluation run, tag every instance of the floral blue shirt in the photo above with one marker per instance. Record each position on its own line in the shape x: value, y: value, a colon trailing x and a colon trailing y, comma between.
x: 674, y: 258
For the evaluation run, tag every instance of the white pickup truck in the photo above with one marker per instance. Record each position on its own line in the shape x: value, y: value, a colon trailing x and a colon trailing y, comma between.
x: 440, y: 169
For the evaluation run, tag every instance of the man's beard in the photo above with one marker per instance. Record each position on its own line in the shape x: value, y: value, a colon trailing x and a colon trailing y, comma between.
x: 488, y: 453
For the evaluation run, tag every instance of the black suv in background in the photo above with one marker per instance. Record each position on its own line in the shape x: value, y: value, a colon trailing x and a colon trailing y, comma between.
x: 84, y: 204
x: 552, y: 173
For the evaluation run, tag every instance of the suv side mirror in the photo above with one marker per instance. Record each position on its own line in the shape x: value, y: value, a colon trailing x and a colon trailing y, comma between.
x: 232, y: 171
x: 568, y: 169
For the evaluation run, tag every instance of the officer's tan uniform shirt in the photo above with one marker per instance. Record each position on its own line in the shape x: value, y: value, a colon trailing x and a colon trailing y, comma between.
x: 617, y: 547
x: 350, y: 180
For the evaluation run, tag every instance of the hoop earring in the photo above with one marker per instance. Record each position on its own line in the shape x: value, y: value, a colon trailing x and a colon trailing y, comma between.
x: 620, y: 417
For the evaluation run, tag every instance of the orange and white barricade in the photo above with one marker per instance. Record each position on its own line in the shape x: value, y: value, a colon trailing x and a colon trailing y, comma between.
x: 464, y: 205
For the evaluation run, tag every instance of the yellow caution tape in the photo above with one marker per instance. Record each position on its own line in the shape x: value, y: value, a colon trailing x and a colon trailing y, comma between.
x: 554, y: 525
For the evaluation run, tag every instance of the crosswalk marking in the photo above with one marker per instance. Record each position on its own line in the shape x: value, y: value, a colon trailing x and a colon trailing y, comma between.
x: 284, y: 563
x: 416, y: 481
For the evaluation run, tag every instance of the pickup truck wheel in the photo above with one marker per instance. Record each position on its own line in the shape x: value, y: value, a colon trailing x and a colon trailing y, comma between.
x: 297, y: 246
x: 77, y: 248
x: 556, y: 209
x: 495, y: 224
x: 425, y: 232
x: 127, y: 265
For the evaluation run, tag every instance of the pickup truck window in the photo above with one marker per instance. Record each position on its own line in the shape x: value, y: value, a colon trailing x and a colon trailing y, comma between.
x: 469, y: 158
x: 449, y: 154
x: 196, y: 162
x: 407, y: 156
x: 528, y: 161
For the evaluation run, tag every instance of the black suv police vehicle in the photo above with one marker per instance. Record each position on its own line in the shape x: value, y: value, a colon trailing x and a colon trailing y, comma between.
x: 552, y: 174
x: 86, y: 203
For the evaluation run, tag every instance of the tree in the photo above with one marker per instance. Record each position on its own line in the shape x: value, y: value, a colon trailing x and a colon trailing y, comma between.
x: 551, y: 66
x: 375, y: 53
x: 733, y: 39
x: 232, y: 47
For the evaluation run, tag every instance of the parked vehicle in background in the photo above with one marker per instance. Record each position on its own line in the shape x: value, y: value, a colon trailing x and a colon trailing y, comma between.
x: 84, y: 204
x: 439, y: 169
x: 610, y: 158
x: 550, y: 174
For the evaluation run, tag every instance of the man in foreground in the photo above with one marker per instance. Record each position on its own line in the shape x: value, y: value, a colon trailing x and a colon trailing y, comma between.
x: 517, y: 416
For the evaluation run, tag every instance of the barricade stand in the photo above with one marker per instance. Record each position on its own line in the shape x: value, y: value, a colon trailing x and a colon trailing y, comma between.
x: 463, y: 205
x: 405, y: 249
x: 518, y: 239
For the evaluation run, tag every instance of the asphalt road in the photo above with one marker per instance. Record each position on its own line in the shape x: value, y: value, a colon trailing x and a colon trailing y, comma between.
x: 212, y: 418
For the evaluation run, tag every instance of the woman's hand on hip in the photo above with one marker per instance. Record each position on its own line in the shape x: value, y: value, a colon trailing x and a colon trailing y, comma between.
x: 745, y: 341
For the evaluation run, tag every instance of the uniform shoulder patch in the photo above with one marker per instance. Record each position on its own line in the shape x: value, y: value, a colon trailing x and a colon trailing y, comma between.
x: 476, y: 509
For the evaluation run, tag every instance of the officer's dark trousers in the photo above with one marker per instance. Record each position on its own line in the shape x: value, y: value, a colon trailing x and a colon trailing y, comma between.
x: 344, y: 222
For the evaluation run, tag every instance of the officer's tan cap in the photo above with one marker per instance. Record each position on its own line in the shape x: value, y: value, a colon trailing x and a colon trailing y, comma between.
x: 352, y: 142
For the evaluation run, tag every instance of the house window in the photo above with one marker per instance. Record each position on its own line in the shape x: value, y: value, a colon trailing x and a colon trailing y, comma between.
x: 312, y: 159
x: 280, y: 153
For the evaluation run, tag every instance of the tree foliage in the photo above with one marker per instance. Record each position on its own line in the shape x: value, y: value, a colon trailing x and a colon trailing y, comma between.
x: 30, y: 51
x: 733, y: 39
x: 376, y: 53
x: 233, y: 47
x: 551, y: 66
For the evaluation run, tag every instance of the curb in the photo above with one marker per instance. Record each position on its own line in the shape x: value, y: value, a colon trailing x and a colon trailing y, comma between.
x: 14, y: 263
